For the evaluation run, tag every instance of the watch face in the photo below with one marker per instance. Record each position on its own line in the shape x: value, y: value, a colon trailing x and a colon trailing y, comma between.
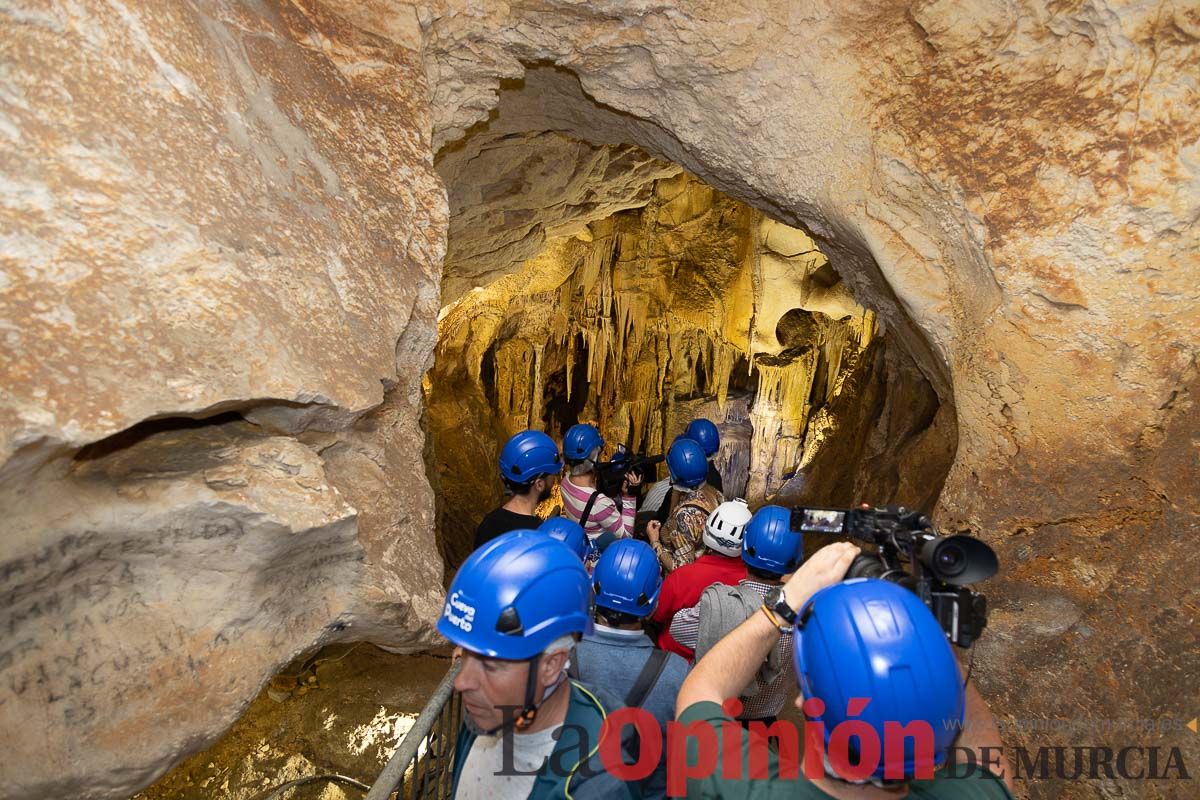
x: 778, y: 601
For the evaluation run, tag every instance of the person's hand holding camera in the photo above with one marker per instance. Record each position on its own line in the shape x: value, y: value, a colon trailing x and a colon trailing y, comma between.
x: 823, y: 568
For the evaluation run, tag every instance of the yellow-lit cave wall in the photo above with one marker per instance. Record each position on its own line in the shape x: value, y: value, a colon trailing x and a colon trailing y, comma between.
x: 692, y: 305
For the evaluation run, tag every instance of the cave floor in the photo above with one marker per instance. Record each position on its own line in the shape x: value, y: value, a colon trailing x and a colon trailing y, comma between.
x: 340, y: 711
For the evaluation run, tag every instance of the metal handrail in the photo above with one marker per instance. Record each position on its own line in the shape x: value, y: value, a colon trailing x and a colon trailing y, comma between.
x: 407, y: 751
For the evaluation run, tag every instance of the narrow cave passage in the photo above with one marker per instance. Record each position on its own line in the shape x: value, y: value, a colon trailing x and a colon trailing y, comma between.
x: 596, y: 282
x: 591, y: 281
x: 949, y: 232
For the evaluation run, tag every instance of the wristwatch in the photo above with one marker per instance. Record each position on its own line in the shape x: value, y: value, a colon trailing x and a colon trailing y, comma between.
x: 776, y: 602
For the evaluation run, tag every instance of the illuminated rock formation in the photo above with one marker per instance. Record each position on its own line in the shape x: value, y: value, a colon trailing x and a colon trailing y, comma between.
x: 635, y: 324
x: 224, y: 208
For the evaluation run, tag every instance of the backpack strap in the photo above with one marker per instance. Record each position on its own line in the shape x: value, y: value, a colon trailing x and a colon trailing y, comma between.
x: 647, y: 678
x: 587, y: 510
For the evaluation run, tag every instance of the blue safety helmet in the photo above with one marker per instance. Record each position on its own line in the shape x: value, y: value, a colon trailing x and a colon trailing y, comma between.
x: 515, y: 595
x: 570, y: 533
x: 627, y: 578
x: 770, y: 544
x: 528, y: 455
x: 686, y: 463
x: 580, y: 441
x: 869, y: 638
x: 704, y: 433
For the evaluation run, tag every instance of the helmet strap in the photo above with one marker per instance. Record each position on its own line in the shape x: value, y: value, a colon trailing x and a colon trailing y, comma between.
x: 528, y: 714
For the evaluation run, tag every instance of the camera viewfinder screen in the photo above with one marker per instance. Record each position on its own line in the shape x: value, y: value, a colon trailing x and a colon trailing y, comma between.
x: 818, y: 520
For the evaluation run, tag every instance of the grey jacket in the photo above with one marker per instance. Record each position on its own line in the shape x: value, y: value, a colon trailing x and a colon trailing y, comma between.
x: 721, y: 609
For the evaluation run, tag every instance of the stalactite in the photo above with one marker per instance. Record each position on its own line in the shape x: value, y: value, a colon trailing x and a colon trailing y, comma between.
x: 724, y: 358
x: 537, y: 399
x: 570, y: 363
x: 630, y: 298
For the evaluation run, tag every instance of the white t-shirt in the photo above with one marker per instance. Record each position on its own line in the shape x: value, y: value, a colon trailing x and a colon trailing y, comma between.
x: 480, y: 778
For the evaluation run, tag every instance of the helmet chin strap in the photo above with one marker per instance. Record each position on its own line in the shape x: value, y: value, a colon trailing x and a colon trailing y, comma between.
x: 529, y: 712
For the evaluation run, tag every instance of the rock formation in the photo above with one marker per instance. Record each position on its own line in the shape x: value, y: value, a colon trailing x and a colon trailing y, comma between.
x: 223, y: 242
x: 640, y: 322
x: 1014, y: 190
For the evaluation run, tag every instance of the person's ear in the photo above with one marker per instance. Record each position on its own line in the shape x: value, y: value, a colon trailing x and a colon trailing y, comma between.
x: 551, y: 665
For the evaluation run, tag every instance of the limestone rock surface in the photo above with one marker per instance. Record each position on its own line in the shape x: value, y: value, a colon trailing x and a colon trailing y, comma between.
x: 220, y: 247
x: 231, y: 208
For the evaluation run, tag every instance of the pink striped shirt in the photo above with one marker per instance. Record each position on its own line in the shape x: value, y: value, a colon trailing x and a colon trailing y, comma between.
x: 605, y: 518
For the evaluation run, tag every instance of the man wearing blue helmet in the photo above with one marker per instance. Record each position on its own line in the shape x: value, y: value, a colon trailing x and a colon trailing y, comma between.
x: 569, y: 533
x: 528, y: 463
x: 514, y: 612
x: 582, y: 499
x: 770, y: 550
x: 677, y: 540
x: 704, y: 433
x: 868, y: 652
x: 618, y: 656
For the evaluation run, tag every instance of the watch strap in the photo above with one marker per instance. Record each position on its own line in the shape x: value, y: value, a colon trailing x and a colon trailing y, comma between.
x: 781, y: 608
x: 774, y: 620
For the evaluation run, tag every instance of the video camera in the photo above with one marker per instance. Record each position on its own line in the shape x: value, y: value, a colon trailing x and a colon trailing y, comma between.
x: 611, y: 474
x: 941, y: 566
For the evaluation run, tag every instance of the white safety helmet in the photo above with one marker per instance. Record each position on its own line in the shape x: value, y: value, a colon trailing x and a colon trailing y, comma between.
x: 725, y: 527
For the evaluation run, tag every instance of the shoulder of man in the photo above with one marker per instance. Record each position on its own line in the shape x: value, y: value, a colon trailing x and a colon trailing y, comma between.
x: 691, y: 515
x: 945, y: 786
x: 462, y: 746
x: 718, y: 594
x: 708, y: 497
x: 588, y: 710
x: 676, y: 668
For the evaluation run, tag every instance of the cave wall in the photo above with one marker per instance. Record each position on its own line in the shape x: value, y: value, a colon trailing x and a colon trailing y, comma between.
x: 221, y: 250
x: 231, y: 207
x: 643, y: 320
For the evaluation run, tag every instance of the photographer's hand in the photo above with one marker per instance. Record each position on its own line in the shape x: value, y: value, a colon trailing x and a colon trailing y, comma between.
x: 823, y: 568
x: 632, y: 481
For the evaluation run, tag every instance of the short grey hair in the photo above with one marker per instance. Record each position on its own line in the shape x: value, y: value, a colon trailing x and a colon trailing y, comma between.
x: 565, y: 643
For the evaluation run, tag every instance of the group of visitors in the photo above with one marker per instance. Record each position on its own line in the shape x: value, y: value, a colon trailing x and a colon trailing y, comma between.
x: 688, y: 622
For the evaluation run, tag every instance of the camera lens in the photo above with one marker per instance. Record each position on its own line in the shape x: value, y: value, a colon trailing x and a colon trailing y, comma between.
x: 865, y: 565
x: 957, y: 559
x: 950, y: 559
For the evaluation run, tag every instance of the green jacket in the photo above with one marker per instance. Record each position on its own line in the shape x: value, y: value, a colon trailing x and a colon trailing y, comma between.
x: 577, y: 750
